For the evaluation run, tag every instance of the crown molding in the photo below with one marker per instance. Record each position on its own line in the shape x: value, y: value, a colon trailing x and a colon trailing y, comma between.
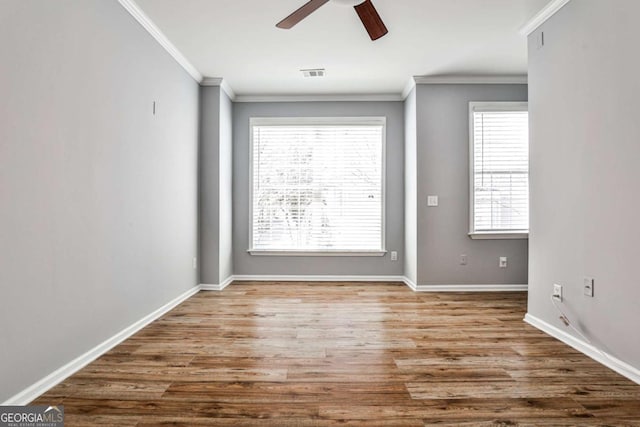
x: 411, y: 84
x: 319, y: 98
x: 134, y: 10
x: 461, y: 80
x: 212, y: 81
x: 541, y: 17
x: 219, y: 82
x: 470, y: 80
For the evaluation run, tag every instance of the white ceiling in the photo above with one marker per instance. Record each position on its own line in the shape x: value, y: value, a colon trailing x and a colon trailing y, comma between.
x: 238, y: 40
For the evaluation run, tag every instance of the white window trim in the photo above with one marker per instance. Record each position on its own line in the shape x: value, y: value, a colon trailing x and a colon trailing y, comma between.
x: 506, y: 235
x: 265, y: 121
x: 479, y: 107
x: 318, y: 253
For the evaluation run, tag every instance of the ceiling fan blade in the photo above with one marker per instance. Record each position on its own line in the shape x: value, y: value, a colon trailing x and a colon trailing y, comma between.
x: 371, y: 20
x: 301, y: 13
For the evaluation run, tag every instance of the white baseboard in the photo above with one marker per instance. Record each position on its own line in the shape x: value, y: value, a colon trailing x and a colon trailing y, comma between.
x: 472, y: 288
x: 33, y: 391
x: 268, y: 278
x: 219, y: 287
x: 410, y: 283
x: 609, y: 361
x: 401, y: 279
x: 464, y: 288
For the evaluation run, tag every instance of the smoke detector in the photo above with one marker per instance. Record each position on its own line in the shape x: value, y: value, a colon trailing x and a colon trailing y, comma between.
x: 315, y: 72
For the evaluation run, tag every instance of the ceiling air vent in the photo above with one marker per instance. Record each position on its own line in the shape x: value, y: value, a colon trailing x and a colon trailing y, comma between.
x: 317, y: 72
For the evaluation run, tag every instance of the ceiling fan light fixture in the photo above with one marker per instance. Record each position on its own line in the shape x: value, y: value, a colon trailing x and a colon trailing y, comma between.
x: 365, y: 10
x: 304, y: 11
x: 371, y: 20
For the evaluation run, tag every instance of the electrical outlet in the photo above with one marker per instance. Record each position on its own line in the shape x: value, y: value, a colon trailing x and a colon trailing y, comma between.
x: 557, y: 292
x: 503, y: 262
x: 589, y: 284
x: 394, y: 255
x: 463, y: 259
x: 195, y: 263
x: 432, y: 201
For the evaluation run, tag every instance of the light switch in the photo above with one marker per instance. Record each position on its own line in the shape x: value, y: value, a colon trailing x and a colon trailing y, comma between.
x: 588, y: 286
x: 540, y: 40
x: 502, y: 262
x: 432, y: 201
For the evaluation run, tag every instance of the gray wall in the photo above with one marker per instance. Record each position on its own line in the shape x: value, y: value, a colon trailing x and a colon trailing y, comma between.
x: 443, y: 170
x: 97, y: 195
x: 410, y: 189
x: 215, y: 208
x: 585, y: 135
x: 226, y: 188
x: 209, y: 185
x: 246, y: 264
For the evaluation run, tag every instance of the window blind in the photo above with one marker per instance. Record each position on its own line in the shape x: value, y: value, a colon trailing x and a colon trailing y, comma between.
x: 500, y: 169
x: 317, y: 187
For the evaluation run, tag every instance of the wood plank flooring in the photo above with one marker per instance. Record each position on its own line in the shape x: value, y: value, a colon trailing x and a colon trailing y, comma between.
x: 345, y: 354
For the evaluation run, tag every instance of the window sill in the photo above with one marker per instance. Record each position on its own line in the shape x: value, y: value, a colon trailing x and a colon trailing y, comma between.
x: 318, y: 253
x: 524, y: 235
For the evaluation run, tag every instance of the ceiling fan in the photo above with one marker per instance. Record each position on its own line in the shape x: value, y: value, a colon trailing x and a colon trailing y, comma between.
x: 365, y: 10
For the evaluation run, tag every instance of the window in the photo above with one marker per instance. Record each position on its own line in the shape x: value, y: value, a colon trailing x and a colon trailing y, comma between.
x: 499, y: 155
x: 317, y: 186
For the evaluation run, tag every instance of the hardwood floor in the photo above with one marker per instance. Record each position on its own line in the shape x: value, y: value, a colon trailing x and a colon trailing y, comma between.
x: 325, y: 354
